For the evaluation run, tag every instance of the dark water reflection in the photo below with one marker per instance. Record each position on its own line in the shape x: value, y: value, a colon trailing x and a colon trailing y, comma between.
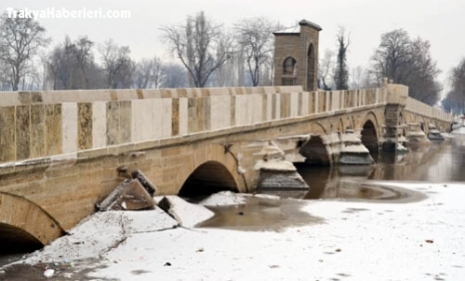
x: 438, y: 162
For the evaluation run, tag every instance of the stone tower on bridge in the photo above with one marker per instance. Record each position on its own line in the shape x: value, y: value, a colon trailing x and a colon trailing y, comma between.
x: 296, y: 56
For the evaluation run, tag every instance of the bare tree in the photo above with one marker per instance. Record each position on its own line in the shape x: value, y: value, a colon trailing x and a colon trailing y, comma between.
x: 325, y: 68
x: 5, y: 78
x: 200, y: 45
x: 341, y: 73
x: 226, y: 75
x: 61, y: 65
x: 20, y: 41
x: 117, y: 64
x: 148, y: 73
x: 71, y: 65
x: 455, y: 99
x: 392, y: 56
x: 84, y: 58
x: 174, y: 76
x: 408, y: 62
x: 357, y: 76
x: 255, y: 37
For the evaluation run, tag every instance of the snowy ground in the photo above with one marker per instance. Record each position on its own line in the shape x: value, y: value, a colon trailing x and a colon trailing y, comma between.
x: 353, y: 241
x: 325, y: 240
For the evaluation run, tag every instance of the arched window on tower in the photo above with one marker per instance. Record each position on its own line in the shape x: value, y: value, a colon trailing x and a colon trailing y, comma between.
x: 289, y: 71
x: 289, y: 66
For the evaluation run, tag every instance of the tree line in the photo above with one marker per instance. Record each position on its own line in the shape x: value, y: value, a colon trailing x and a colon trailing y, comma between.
x: 398, y: 57
x: 210, y: 55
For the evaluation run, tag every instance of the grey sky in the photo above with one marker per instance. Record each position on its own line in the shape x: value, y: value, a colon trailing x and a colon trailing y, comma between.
x: 439, y: 21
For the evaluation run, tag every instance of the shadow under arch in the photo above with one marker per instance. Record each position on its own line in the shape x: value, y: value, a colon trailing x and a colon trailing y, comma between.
x: 315, y: 152
x: 369, y: 133
x: 370, y: 136
x: 24, y: 224
x: 208, y: 178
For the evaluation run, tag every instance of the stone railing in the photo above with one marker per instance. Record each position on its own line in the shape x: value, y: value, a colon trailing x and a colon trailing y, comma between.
x: 423, y: 109
x: 43, y: 124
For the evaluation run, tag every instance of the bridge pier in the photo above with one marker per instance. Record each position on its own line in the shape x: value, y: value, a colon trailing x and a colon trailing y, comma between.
x: 396, y: 102
x: 336, y: 148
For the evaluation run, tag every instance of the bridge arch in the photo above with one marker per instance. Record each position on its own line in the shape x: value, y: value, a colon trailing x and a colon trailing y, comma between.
x: 23, y: 222
x: 315, y: 151
x: 370, y: 132
x: 318, y: 128
x: 215, y: 169
x: 340, y: 126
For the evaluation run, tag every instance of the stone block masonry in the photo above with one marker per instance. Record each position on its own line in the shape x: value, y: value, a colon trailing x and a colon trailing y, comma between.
x: 37, y: 125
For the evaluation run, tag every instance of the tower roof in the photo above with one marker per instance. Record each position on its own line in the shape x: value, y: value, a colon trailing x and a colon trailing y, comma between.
x: 296, y: 29
x: 311, y: 24
x: 291, y: 30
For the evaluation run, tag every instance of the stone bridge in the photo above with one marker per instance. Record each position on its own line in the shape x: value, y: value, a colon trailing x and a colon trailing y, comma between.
x: 60, y: 151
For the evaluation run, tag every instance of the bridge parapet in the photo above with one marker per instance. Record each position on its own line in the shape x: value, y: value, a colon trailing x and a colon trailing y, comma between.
x: 49, y: 124
x: 423, y: 109
x: 397, y: 94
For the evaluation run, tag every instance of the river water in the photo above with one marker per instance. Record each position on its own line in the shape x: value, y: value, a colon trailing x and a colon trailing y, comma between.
x: 439, y: 162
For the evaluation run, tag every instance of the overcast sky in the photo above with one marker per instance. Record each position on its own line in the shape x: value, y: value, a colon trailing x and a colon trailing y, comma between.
x: 442, y: 22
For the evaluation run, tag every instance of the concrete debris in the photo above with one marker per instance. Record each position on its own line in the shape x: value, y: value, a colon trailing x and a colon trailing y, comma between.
x: 146, y: 183
x: 129, y: 195
x: 123, y: 172
x: 187, y: 214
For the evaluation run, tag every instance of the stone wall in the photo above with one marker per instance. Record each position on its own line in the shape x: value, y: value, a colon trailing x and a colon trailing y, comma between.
x: 49, y: 124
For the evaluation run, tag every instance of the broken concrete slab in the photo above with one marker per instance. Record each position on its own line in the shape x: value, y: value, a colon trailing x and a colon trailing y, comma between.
x: 187, y: 214
x: 146, y: 183
x: 129, y: 195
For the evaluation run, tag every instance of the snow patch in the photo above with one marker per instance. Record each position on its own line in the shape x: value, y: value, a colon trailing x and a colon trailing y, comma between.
x: 355, y: 149
x: 101, y: 231
x: 223, y: 198
x: 276, y: 165
x: 187, y: 214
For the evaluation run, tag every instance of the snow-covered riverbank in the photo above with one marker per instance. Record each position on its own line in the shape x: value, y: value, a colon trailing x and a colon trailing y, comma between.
x: 350, y: 241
